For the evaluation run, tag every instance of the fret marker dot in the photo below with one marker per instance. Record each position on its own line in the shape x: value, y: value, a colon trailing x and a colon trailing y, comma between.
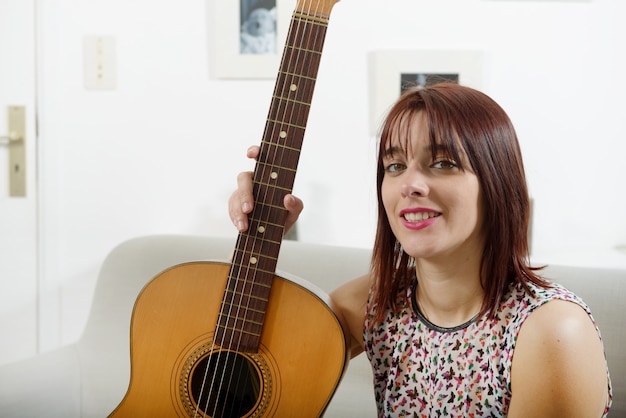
x: 253, y: 260
x: 274, y: 175
x: 293, y: 87
x: 283, y: 134
x: 261, y: 229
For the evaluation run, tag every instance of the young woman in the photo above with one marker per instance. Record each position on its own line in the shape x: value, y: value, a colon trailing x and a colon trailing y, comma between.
x: 452, y: 317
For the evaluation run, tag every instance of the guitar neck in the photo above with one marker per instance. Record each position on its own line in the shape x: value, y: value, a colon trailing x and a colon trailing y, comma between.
x: 256, y: 254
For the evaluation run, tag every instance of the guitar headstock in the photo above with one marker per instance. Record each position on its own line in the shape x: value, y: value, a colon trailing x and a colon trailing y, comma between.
x: 320, y: 8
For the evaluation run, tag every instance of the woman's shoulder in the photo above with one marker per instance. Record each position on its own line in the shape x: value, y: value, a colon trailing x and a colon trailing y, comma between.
x: 521, y: 301
x: 559, y: 361
x: 353, y: 291
x: 556, y: 315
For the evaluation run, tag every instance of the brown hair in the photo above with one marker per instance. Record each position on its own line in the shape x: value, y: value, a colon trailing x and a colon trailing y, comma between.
x: 458, y: 116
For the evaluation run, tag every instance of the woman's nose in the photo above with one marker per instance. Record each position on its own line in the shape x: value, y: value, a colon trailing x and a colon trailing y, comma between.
x: 415, y: 185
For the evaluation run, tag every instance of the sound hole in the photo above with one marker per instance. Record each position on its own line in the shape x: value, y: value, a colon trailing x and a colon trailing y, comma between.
x: 225, y: 385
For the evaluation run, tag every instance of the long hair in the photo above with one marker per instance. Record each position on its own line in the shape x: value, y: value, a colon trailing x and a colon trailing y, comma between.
x: 458, y: 116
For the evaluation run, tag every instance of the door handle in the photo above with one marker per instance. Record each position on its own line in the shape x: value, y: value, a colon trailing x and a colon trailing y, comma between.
x: 16, y: 142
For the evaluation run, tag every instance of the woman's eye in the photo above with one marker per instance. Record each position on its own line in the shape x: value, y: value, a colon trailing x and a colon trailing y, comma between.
x: 394, y: 167
x: 444, y: 164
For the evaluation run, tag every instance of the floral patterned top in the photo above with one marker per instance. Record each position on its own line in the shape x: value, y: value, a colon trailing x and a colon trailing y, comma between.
x: 421, y: 370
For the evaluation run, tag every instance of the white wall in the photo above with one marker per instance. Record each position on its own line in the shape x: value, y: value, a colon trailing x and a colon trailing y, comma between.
x: 160, y: 153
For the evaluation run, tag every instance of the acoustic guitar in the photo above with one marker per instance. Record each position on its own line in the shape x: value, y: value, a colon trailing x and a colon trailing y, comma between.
x: 235, y: 339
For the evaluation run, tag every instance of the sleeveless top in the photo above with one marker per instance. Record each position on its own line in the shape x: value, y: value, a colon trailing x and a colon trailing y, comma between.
x: 422, y: 370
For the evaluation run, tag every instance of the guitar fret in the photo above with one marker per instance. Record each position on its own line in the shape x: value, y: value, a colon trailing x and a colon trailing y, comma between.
x: 256, y: 269
x: 306, y: 50
x: 282, y: 122
x: 270, y: 165
x: 304, y: 65
x: 271, y: 206
x: 261, y: 245
x: 273, y: 186
x: 266, y: 234
x: 256, y: 311
x: 287, y: 147
x: 266, y: 224
x: 256, y: 303
x: 246, y: 325
x: 242, y: 331
x: 252, y: 300
x: 297, y: 75
x: 274, y: 208
x: 247, y: 288
x: 259, y: 284
x: 296, y: 87
x: 289, y: 100
x: 274, y: 180
x: 322, y: 21
x: 258, y: 262
x: 232, y: 319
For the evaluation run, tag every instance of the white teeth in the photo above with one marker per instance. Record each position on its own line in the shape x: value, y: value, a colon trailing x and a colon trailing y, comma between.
x: 419, y: 216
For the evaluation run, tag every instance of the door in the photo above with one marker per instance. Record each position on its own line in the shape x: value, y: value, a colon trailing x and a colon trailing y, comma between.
x: 18, y: 209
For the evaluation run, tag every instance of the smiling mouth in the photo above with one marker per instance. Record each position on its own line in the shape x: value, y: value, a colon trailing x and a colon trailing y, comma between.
x: 420, y: 216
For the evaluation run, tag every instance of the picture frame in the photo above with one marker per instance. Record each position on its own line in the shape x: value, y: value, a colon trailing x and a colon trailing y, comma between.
x: 261, y: 58
x: 390, y: 69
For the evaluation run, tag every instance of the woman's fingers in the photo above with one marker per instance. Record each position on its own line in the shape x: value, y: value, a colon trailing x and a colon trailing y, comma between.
x: 241, y: 201
x: 294, y: 207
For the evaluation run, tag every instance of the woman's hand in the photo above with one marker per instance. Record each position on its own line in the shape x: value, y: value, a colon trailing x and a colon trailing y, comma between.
x: 241, y: 201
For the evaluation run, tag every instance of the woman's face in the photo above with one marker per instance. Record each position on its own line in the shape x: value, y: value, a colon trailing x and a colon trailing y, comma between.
x: 433, y: 207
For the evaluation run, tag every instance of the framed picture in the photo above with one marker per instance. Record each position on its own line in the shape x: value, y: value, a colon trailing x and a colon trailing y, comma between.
x: 248, y: 36
x: 390, y: 72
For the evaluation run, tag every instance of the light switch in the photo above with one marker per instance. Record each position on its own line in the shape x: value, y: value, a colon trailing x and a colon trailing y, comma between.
x: 99, y: 63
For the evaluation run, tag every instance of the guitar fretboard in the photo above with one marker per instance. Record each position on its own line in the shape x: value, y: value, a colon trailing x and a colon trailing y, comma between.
x: 254, y: 262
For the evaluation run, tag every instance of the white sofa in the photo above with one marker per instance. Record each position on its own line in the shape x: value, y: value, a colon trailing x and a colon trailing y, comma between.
x: 90, y: 377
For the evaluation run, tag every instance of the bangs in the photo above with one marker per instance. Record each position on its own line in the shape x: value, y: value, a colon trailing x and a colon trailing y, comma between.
x: 397, y: 131
x: 445, y: 139
x: 400, y: 125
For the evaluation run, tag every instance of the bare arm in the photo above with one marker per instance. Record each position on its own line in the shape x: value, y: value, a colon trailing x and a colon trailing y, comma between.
x: 348, y: 302
x: 559, y: 368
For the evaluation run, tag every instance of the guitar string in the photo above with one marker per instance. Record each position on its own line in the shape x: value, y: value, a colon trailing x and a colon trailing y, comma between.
x: 288, y: 110
x: 274, y: 135
x: 221, y: 357
x: 224, y: 351
x: 262, y: 174
x: 273, y: 138
x: 275, y: 152
x: 298, y: 43
x: 243, y: 246
x: 240, y: 266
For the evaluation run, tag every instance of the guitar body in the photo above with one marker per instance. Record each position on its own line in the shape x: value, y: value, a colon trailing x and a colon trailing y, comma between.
x: 234, y: 340
x: 295, y: 371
